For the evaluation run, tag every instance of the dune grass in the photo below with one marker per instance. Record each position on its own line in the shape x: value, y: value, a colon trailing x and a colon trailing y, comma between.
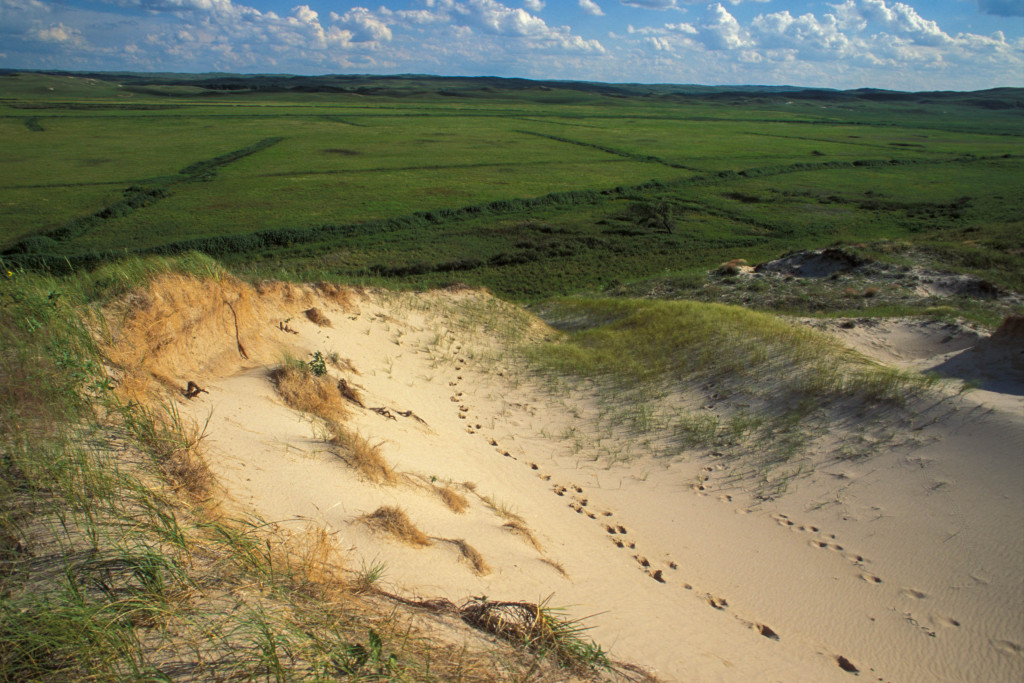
x: 303, y: 389
x: 764, y: 387
x: 114, y: 564
x: 360, y: 454
x: 395, y: 522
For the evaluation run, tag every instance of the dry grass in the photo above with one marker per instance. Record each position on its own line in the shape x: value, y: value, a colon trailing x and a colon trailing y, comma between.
x: 394, y: 521
x: 343, y: 296
x: 455, y: 501
x: 314, y: 557
x: 480, y: 566
x: 518, y: 527
x: 304, y: 391
x: 350, y: 392
x: 317, y: 316
x: 556, y: 565
x: 176, y: 446
x: 362, y: 455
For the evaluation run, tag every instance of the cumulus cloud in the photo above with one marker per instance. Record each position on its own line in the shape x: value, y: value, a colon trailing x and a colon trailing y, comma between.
x: 534, y: 5
x: 363, y: 25
x: 721, y: 31
x: 591, y: 7
x: 58, y: 33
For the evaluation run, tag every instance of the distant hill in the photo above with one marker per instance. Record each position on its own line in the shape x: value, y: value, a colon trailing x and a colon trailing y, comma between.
x: 172, y: 85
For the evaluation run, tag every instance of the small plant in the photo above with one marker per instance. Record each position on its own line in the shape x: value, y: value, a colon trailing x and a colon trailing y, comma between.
x: 358, y: 659
x: 318, y: 364
x: 369, y: 575
x: 540, y: 628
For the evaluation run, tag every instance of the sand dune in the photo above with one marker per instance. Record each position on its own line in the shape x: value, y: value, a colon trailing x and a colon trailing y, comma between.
x: 905, y: 565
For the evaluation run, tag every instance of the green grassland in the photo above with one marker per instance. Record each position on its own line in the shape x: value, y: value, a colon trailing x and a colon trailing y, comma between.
x: 532, y: 189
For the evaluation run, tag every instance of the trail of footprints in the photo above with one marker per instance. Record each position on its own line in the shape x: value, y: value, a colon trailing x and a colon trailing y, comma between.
x: 619, y: 535
x: 828, y: 542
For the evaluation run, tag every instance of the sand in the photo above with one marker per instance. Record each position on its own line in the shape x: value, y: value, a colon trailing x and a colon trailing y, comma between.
x: 905, y: 565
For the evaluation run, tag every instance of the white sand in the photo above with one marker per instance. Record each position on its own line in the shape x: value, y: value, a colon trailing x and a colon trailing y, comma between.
x: 908, y: 563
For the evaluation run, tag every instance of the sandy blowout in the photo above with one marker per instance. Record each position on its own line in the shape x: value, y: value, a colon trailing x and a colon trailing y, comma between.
x: 904, y: 565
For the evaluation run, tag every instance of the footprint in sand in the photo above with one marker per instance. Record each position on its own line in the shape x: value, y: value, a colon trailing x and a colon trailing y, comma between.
x: 846, y: 665
x: 766, y: 631
x: 817, y: 543
x: 870, y: 578
x: 912, y: 593
x: 783, y: 520
x: 1008, y: 648
x: 944, y: 622
x: 716, y: 602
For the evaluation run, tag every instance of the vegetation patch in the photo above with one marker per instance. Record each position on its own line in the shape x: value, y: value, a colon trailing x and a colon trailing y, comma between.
x: 395, y: 522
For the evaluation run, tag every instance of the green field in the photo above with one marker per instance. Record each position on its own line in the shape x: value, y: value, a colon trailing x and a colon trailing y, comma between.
x: 532, y: 189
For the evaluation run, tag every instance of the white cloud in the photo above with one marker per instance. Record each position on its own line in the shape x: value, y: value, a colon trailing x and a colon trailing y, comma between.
x: 904, y: 20
x: 58, y: 33
x: 591, y: 7
x: 721, y: 31
x: 363, y: 25
x: 534, y: 5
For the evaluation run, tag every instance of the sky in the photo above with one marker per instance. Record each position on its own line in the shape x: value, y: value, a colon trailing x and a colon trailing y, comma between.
x: 917, y: 45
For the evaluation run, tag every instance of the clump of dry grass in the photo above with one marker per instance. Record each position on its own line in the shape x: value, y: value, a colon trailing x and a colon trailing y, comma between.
x: 350, y: 392
x: 394, y: 521
x: 304, y: 391
x: 480, y: 566
x: 360, y: 454
x: 316, y: 554
x: 556, y: 565
x: 336, y: 293
x: 317, y: 316
x: 455, y: 501
x: 175, y: 444
x: 518, y: 527
x: 733, y: 267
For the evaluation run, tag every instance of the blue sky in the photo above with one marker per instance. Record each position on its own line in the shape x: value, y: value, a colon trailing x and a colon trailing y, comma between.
x: 918, y: 45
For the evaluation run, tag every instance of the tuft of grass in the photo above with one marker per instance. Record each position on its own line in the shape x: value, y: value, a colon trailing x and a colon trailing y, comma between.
x: 360, y: 454
x: 539, y: 628
x: 317, y: 316
x: 556, y: 565
x: 455, y: 501
x: 475, y: 559
x: 303, y: 390
x: 518, y: 527
x: 394, y: 521
x: 369, y: 575
x: 175, y: 446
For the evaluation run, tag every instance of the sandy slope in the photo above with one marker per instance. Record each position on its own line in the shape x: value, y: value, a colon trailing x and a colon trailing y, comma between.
x: 908, y: 564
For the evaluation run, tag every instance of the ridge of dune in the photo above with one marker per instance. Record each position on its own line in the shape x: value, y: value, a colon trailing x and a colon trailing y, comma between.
x: 905, y: 565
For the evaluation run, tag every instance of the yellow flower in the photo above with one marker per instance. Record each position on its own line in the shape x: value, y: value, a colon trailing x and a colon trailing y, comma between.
x: 10, y: 274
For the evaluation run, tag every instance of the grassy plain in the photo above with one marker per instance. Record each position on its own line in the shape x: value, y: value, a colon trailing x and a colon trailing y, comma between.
x: 531, y: 189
